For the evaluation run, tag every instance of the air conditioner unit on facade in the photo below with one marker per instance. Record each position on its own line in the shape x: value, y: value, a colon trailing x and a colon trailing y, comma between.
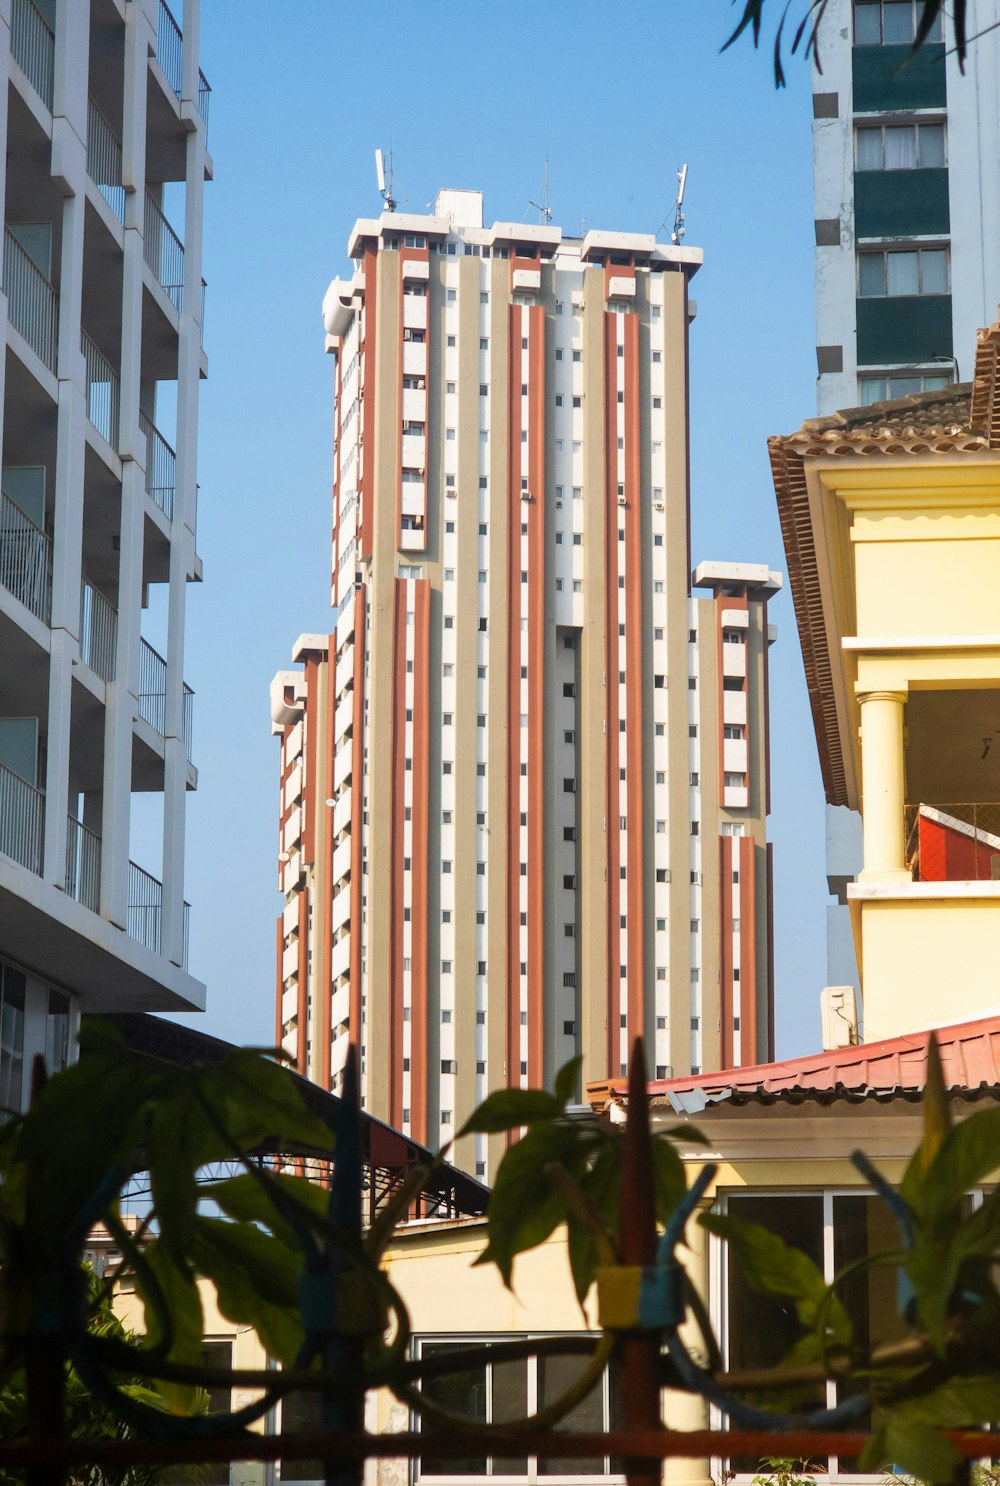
x: 838, y: 1017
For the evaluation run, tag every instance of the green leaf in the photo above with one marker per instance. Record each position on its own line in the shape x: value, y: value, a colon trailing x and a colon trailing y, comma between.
x: 599, y: 1186
x: 918, y: 1450
x: 258, y: 1099
x: 183, y: 1302
x: 969, y: 1153
x: 669, y: 1180
x: 687, y: 1135
x: 959, y: 1403
x: 247, y: 1199
x: 566, y: 1079
x: 772, y: 1267
x: 507, y: 1109
x: 524, y: 1207
x: 256, y: 1280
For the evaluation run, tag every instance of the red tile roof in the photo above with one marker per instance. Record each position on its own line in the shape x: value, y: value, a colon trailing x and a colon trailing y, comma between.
x: 970, y: 1053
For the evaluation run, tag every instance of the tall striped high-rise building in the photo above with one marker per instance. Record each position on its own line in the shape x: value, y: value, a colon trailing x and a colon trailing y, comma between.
x: 524, y: 781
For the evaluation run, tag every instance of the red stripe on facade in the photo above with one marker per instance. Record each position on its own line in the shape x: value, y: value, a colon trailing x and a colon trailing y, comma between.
x: 535, y: 510
x: 279, y: 1019
x: 769, y: 882
x: 302, y: 1038
x: 336, y: 473
x: 611, y: 668
x: 366, y: 479
x: 311, y: 751
x: 513, y: 763
x: 420, y: 781
x: 324, y: 989
x: 747, y: 1000
x: 635, y: 838
x: 394, y: 1051
x: 357, y: 818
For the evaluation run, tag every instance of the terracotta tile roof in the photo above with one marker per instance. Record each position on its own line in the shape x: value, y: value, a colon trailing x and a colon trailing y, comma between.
x: 894, y: 1068
x: 960, y: 420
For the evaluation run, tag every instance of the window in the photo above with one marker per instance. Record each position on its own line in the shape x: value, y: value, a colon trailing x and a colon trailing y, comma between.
x: 484, y: 344
x: 494, y: 1392
x: 900, y: 147
x: 12, y: 988
x: 900, y: 384
x: 889, y: 273
x: 891, y: 23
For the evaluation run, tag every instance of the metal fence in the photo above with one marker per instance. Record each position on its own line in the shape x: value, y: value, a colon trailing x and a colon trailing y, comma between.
x: 33, y: 45
x: 98, y: 631
x: 103, y: 390
x: 25, y: 559
x: 953, y: 843
x: 170, y: 48
x: 22, y: 820
x: 32, y: 302
x: 83, y: 864
x: 145, y: 908
x: 161, y: 467
x: 164, y: 253
x: 204, y: 98
x: 104, y: 160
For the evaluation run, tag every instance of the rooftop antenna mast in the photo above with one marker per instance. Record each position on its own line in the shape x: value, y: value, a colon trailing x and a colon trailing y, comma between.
x: 542, y: 207
x: 678, y: 229
x: 384, y: 180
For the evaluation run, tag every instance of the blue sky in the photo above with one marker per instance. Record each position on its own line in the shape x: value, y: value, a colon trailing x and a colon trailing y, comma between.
x: 473, y: 94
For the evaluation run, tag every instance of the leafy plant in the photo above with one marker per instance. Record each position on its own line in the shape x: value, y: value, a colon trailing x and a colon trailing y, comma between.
x: 806, y: 33
x: 784, y: 1470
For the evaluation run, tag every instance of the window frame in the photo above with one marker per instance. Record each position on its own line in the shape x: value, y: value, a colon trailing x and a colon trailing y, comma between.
x: 885, y: 253
x: 532, y: 1475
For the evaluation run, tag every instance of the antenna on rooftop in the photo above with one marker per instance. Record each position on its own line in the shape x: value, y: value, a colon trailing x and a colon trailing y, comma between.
x: 384, y: 180
x: 678, y: 228
x: 542, y: 207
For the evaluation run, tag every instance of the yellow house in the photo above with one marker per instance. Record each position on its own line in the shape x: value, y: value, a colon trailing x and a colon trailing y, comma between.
x: 891, y: 521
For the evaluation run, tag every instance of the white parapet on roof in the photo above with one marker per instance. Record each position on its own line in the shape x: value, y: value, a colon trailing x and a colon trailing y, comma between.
x: 757, y: 574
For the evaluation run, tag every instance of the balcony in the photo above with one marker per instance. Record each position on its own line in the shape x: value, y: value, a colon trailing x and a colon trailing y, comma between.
x: 33, y: 46
x: 170, y: 55
x: 22, y: 820
x: 104, y: 160
x: 98, y: 631
x: 103, y: 391
x: 164, y: 253
x: 144, y: 921
x: 153, y: 695
x: 32, y: 302
x: 161, y: 467
x: 83, y: 864
x: 25, y: 560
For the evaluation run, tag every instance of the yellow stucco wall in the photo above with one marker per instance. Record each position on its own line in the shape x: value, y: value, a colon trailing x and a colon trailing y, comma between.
x: 929, y: 961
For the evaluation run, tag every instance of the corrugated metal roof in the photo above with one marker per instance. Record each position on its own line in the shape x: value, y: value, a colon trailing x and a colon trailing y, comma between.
x: 894, y: 1068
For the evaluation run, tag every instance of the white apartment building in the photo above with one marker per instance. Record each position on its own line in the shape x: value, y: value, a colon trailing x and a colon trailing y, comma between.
x: 906, y: 187
x: 104, y: 158
x: 523, y: 783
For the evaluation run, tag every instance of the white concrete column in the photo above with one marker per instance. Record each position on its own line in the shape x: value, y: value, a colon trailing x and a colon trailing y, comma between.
x: 687, y: 1410
x: 122, y: 693
x: 883, y: 785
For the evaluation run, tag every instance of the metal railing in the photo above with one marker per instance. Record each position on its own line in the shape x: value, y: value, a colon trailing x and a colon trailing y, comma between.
x: 204, y: 98
x: 104, y: 160
x: 186, y: 940
x: 33, y: 45
x: 161, y: 467
x: 103, y: 390
x: 188, y: 721
x: 953, y: 843
x: 164, y: 253
x: 170, y: 48
x: 32, y: 302
x: 144, y: 914
x: 98, y: 631
x: 22, y: 820
x: 25, y: 559
x: 152, y: 687
x: 83, y: 864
